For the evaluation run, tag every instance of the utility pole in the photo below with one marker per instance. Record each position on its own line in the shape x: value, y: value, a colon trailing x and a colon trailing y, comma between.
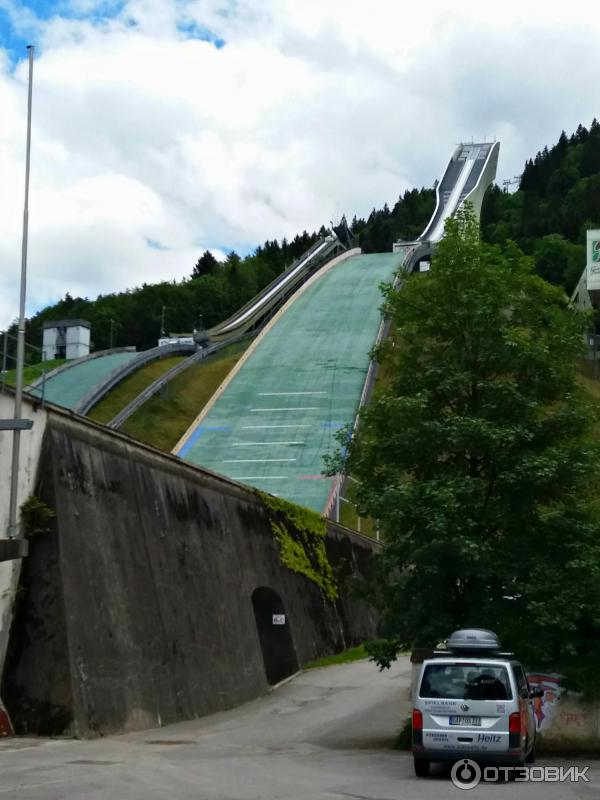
x: 162, y: 321
x: 13, y: 526
x: 112, y: 324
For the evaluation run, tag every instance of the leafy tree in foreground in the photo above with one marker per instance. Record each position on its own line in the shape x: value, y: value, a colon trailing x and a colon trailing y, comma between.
x: 477, y: 459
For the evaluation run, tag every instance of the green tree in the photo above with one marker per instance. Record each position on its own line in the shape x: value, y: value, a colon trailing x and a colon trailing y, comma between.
x: 205, y: 265
x: 476, y: 460
x: 559, y: 261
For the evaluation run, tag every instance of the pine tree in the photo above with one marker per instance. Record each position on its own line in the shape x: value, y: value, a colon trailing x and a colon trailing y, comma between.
x: 206, y: 264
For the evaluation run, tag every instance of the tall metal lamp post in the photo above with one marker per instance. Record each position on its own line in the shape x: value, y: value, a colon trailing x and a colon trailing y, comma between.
x: 18, y: 424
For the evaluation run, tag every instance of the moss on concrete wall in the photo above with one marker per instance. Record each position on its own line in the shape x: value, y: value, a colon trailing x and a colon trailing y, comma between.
x: 301, y: 534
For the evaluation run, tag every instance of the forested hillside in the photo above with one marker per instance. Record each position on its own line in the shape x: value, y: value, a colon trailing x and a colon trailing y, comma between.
x: 557, y: 201
x: 215, y: 289
x: 212, y: 292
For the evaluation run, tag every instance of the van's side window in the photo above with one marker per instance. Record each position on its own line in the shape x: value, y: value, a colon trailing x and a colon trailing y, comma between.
x: 522, y: 685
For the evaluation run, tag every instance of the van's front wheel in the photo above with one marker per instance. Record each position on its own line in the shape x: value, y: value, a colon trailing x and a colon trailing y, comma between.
x: 422, y: 767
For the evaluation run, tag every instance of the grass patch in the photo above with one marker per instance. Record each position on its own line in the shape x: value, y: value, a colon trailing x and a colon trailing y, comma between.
x: 567, y: 746
x: 128, y: 389
x: 350, y: 519
x: 591, y: 388
x: 345, y: 657
x: 403, y: 740
x: 31, y: 373
x: 165, y: 417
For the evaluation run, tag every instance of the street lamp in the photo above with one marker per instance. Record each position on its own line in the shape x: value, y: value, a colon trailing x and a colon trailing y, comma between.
x: 18, y: 423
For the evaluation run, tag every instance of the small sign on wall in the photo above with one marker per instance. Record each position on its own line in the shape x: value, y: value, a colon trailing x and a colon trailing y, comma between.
x: 278, y: 619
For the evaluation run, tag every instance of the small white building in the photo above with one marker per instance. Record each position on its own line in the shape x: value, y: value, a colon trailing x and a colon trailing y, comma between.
x: 176, y: 338
x: 66, y: 338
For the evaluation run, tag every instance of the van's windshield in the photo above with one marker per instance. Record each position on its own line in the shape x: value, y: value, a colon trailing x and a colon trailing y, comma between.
x: 466, y: 682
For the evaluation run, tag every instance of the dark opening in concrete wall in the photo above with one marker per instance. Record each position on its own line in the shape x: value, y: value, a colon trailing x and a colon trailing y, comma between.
x: 275, y: 635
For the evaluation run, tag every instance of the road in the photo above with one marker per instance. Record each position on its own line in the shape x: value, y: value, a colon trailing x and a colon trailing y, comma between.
x: 324, y: 735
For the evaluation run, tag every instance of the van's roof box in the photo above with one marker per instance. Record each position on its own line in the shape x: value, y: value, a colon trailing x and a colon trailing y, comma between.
x: 473, y: 640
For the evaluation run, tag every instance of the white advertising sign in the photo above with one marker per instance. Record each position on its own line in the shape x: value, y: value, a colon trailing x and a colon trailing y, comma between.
x: 593, y: 260
x: 278, y: 619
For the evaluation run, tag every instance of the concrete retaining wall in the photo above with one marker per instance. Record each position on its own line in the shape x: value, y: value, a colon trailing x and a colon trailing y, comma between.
x: 135, y: 610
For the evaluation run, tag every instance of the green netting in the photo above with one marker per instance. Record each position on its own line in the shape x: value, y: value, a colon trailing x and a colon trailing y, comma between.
x: 278, y: 416
x: 69, y: 387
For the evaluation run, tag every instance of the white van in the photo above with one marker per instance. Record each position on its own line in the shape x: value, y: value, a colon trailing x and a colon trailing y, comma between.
x: 472, y: 700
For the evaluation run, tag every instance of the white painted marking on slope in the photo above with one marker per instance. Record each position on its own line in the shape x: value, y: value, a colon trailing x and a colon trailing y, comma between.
x: 284, y: 394
x: 260, y: 427
x: 255, y: 460
x: 260, y: 444
x: 258, y: 477
x: 295, y: 408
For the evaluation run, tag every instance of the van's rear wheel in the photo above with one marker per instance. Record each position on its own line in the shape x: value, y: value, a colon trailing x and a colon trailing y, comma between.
x: 422, y: 767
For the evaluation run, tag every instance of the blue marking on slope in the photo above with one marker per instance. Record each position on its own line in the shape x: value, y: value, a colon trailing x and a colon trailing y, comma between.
x: 185, y: 449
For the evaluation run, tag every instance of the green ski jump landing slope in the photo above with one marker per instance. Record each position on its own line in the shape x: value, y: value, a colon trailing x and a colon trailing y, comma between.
x: 68, y: 387
x: 277, y: 418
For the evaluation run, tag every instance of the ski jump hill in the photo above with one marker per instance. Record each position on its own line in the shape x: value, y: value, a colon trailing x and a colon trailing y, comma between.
x: 307, y: 373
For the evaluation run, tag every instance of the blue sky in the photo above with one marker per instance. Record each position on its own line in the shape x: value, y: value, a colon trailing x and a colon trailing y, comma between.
x: 22, y: 20
x: 166, y: 127
x: 12, y: 41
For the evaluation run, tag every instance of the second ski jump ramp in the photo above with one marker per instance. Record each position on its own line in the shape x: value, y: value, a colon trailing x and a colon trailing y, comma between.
x: 277, y: 417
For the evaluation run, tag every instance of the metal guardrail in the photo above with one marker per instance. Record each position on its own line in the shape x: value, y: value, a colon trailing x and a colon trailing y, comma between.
x: 163, y: 380
x: 124, y: 370
x: 278, y: 279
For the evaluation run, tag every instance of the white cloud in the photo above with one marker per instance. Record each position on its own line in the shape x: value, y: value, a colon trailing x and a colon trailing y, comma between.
x: 143, y: 134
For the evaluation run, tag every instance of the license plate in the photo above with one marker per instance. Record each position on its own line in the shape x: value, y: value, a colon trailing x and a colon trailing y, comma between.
x: 476, y: 721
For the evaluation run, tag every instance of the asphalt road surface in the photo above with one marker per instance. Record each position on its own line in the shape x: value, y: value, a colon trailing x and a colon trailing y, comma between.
x: 325, y: 735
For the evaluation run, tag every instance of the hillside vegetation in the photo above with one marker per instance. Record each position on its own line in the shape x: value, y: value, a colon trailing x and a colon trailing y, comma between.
x: 557, y: 201
x: 215, y: 290
x: 127, y: 390
x: 163, y: 419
